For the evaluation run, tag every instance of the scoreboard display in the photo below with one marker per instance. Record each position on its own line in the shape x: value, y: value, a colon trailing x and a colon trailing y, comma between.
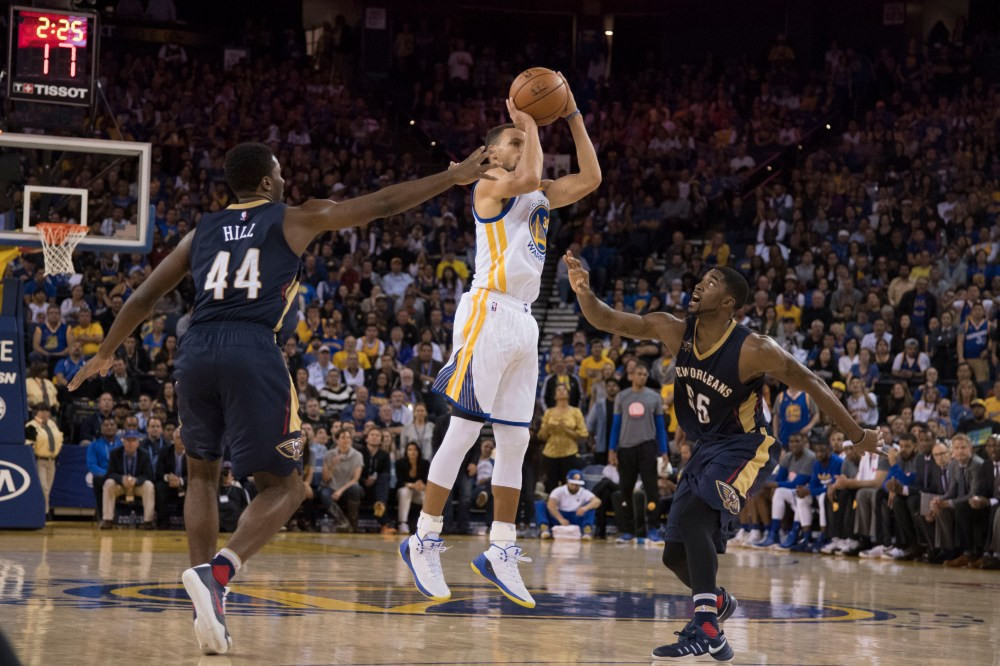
x: 52, y: 56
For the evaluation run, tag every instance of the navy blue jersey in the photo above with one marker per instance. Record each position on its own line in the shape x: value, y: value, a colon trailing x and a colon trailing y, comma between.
x: 243, y: 269
x: 712, y: 404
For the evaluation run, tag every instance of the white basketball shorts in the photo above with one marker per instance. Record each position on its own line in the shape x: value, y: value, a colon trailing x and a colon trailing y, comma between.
x: 493, y: 369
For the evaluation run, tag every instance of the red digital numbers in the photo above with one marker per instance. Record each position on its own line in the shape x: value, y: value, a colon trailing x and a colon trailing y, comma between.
x: 45, y: 31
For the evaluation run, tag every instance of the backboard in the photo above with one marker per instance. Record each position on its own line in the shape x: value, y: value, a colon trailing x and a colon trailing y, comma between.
x: 79, y: 181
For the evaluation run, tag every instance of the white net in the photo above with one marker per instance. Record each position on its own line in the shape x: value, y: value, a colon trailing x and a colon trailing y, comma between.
x: 58, y: 243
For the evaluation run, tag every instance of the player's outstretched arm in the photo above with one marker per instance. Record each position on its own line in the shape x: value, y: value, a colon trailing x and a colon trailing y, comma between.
x: 527, y: 175
x: 762, y: 355
x: 570, y: 189
x: 139, y: 305
x: 312, y: 218
x: 654, y: 326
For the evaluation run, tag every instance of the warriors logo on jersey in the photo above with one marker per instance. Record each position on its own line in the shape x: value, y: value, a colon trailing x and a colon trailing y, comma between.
x: 538, y: 225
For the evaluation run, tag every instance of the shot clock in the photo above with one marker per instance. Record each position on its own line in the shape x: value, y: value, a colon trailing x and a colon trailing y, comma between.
x: 53, y: 56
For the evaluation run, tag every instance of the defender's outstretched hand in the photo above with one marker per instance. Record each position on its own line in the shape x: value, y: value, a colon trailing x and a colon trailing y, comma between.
x: 98, y: 364
x: 473, y: 167
x: 872, y: 442
x: 579, y: 279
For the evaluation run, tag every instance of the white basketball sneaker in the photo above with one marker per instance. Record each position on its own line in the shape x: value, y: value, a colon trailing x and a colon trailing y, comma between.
x: 499, y: 566
x: 209, y: 599
x: 423, y: 557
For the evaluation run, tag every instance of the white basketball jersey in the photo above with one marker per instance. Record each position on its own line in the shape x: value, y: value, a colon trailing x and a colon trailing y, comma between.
x: 510, y: 248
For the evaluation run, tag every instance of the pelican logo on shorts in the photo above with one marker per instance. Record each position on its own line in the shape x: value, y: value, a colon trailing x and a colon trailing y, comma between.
x: 730, y: 498
x: 291, y: 449
x: 538, y: 225
x: 3, y: 409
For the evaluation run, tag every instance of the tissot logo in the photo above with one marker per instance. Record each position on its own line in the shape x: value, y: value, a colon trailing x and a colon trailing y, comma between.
x: 45, y: 90
x: 14, y: 480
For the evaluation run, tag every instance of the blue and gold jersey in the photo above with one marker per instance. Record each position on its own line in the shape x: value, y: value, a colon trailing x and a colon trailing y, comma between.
x: 243, y: 269
x: 711, y: 402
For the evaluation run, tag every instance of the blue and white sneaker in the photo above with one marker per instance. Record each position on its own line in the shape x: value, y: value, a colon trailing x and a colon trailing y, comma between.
x: 654, y: 538
x: 790, y: 539
x: 624, y: 538
x: 729, y: 606
x: 423, y: 557
x: 819, y: 544
x: 694, y: 642
x: 499, y: 566
x: 766, y: 542
x: 209, y: 599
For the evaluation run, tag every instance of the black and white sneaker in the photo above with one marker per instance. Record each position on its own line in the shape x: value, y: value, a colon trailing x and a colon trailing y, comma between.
x: 729, y: 606
x: 695, y: 642
x: 209, y: 599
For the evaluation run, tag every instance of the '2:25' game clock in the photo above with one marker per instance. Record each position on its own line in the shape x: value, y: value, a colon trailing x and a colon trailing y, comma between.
x: 52, y: 56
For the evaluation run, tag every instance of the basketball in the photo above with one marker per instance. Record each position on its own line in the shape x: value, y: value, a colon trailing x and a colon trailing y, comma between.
x: 541, y: 93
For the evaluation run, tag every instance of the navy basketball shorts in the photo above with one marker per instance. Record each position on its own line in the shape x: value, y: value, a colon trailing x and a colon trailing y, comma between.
x: 234, y: 390
x: 723, y: 474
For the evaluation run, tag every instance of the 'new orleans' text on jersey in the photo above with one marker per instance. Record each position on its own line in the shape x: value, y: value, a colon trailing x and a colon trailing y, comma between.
x: 712, y: 404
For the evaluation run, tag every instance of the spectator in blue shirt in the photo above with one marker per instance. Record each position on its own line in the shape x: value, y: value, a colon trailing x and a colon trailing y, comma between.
x: 825, y: 470
x: 67, y: 367
x: 98, y: 452
x: 794, y: 469
x: 153, y: 341
x: 51, y: 339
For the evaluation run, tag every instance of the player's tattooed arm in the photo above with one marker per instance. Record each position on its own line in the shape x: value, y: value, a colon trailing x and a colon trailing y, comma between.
x: 315, y: 216
x: 762, y: 355
x: 653, y: 326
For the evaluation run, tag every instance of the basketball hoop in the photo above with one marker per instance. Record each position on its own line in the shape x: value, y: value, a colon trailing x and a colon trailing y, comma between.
x: 58, y: 242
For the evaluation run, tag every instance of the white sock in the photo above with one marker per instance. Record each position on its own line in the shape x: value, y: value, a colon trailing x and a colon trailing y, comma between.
x: 233, y: 558
x: 429, y: 526
x: 503, y: 534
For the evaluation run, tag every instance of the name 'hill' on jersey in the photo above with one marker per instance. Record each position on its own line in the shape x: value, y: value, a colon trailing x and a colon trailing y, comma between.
x: 712, y: 404
x: 242, y: 266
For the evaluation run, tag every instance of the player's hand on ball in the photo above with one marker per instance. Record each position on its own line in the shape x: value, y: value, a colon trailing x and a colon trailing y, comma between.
x: 97, y: 365
x: 872, y: 442
x: 570, y: 101
x: 520, y: 119
x: 473, y: 167
x: 579, y: 279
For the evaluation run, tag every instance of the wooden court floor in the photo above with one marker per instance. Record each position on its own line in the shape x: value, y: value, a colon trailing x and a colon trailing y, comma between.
x: 74, y: 595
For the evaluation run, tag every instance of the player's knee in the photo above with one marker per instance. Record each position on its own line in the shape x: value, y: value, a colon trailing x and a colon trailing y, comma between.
x: 512, y: 443
x: 697, y: 517
x: 674, y: 556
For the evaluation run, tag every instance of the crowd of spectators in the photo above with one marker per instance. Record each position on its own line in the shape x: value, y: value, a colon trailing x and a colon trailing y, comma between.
x: 869, y: 252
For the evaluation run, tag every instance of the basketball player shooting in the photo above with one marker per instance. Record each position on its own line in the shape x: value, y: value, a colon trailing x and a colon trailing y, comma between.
x: 233, y: 386
x: 720, y: 376
x: 493, y: 369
